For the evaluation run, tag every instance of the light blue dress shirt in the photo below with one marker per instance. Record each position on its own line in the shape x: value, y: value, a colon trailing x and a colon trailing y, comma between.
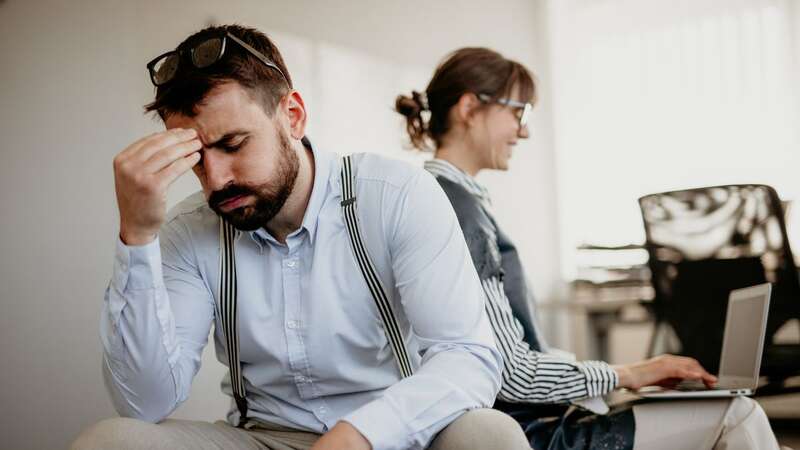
x: 313, y: 349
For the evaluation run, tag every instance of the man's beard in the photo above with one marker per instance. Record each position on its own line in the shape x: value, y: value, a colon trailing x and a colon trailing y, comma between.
x: 270, y: 197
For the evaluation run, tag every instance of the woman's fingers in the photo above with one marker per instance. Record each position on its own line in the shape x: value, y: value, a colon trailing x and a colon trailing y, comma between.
x: 690, y: 368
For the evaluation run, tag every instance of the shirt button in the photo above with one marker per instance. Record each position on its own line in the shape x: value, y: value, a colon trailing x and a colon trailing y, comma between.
x: 293, y: 324
x: 300, y: 379
x: 291, y: 264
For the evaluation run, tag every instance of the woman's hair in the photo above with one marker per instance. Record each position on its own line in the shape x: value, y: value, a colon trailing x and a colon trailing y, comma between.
x: 472, y: 69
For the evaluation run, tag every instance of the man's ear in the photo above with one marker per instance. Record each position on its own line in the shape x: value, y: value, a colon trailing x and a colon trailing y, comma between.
x: 466, y: 107
x: 295, y: 110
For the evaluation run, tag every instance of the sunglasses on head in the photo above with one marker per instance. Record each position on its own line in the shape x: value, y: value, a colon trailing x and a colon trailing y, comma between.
x: 521, y: 109
x: 201, y: 53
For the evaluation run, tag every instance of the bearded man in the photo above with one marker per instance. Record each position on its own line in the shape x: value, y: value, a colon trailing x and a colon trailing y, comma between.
x: 336, y: 337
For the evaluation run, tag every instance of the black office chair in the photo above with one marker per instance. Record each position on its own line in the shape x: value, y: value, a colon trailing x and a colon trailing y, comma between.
x: 703, y: 243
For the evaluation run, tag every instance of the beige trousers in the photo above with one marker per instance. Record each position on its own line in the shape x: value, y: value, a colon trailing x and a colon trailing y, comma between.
x: 721, y: 424
x: 724, y: 424
x: 480, y: 429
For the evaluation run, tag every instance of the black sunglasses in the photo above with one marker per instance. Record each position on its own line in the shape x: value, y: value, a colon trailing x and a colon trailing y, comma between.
x: 202, y: 53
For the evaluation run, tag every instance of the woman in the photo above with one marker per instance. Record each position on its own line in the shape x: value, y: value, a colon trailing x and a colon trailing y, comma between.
x: 474, y: 110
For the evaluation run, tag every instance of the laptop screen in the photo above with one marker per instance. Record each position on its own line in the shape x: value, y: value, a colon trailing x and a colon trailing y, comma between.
x: 741, y: 352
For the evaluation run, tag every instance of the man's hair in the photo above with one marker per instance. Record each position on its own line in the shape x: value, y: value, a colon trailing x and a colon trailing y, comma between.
x: 184, y: 93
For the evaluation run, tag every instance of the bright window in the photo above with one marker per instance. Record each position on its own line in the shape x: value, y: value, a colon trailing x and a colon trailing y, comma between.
x: 653, y: 95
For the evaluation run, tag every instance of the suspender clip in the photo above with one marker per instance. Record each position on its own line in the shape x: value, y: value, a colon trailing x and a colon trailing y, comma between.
x: 241, y: 404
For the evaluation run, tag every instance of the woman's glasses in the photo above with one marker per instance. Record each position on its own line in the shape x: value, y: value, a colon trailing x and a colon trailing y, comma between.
x: 202, y: 53
x: 521, y: 109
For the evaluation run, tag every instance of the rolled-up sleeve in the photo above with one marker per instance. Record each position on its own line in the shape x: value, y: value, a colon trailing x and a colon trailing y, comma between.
x: 443, y: 300
x: 154, y: 324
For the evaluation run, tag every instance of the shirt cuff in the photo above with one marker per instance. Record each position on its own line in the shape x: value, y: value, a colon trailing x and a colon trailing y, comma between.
x: 137, y: 266
x: 600, y: 378
x: 594, y: 404
x: 380, y: 423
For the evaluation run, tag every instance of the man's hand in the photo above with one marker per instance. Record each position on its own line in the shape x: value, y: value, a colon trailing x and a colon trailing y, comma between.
x: 342, y: 436
x: 664, y: 370
x: 142, y: 174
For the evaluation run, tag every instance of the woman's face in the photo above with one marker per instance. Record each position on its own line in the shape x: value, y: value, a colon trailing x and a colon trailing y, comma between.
x: 498, y: 132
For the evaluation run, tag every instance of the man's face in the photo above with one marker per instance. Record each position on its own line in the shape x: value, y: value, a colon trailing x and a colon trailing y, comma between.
x: 248, y: 166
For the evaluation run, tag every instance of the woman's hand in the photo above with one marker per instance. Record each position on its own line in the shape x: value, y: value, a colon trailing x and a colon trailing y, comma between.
x: 664, y: 370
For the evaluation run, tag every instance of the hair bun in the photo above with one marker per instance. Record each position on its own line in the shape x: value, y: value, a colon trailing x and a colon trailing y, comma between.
x: 408, y: 106
x: 422, y: 100
x: 415, y: 109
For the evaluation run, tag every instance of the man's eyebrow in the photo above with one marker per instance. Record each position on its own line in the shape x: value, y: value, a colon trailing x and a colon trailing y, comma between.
x: 227, y: 139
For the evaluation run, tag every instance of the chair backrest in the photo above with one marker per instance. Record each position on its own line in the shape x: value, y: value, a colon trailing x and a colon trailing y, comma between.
x: 703, y: 243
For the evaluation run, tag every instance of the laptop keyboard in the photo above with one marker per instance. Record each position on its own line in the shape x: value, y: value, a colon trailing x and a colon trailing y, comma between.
x: 691, y: 385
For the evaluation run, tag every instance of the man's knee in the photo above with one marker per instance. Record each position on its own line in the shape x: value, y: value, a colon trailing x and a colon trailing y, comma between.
x: 116, y: 433
x: 484, y: 429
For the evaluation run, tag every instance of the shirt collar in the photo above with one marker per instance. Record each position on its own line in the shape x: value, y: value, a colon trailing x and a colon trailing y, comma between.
x: 319, y: 191
x: 323, y: 163
x: 442, y: 168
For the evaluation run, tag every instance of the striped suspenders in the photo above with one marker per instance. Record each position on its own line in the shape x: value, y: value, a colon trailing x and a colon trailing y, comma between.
x: 227, y: 310
x: 227, y: 291
x: 393, y: 334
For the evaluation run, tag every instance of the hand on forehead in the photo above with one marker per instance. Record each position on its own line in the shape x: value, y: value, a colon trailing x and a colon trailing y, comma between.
x: 227, y: 110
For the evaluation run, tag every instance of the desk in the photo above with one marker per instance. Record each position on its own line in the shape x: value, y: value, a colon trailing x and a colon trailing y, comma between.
x: 601, y: 315
x: 609, y: 281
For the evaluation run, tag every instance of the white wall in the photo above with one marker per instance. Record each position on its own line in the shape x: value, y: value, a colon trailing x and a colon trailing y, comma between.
x: 670, y: 95
x: 656, y: 95
x: 72, y: 83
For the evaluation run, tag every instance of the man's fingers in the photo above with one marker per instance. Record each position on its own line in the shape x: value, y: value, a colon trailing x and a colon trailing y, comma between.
x: 177, y: 168
x: 135, y: 146
x: 164, y: 140
x: 144, y: 148
x: 167, y: 156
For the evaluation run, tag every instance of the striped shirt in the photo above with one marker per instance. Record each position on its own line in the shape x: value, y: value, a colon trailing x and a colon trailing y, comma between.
x: 529, y: 376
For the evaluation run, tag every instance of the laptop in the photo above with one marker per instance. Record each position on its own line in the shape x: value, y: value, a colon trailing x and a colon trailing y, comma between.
x: 742, y: 345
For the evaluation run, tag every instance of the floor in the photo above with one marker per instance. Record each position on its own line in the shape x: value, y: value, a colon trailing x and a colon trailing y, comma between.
x: 784, y: 413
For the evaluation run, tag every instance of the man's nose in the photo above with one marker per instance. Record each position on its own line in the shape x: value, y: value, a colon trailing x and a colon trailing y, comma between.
x: 217, y: 170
